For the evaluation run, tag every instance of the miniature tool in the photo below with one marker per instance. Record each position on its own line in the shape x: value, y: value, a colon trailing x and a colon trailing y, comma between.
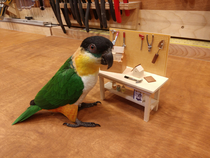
x: 113, y: 31
x: 133, y: 79
x: 124, y: 40
x: 114, y: 41
x: 142, y: 38
x: 4, y: 4
x: 149, y: 45
x: 160, y: 45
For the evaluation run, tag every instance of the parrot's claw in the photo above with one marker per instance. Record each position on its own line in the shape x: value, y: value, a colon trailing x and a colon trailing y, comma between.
x: 80, y: 123
x: 88, y: 105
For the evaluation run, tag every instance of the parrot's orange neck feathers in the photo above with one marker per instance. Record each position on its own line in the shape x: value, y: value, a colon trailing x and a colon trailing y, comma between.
x: 85, y: 63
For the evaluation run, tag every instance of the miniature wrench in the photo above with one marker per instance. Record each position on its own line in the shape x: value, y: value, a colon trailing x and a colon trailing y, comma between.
x: 114, y: 41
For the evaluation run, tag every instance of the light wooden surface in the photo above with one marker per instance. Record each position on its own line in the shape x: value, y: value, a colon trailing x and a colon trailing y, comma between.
x: 190, y: 52
x: 26, y: 28
x: 135, y: 56
x: 188, y: 24
x: 12, y: 38
x: 196, y: 5
x: 180, y: 128
x: 77, y: 33
x: 47, y: 15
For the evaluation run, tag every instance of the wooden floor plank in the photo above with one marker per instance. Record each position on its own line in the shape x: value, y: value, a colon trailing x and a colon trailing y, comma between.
x: 180, y: 128
x: 191, y: 52
x: 11, y: 37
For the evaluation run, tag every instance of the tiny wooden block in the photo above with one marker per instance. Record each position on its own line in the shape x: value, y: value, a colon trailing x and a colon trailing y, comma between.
x: 118, y: 49
x: 149, y: 79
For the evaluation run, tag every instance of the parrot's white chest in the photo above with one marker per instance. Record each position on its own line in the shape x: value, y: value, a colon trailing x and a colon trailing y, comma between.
x: 89, y: 82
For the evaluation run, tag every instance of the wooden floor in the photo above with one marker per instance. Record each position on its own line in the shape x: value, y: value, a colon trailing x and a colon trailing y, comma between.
x: 179, y: 129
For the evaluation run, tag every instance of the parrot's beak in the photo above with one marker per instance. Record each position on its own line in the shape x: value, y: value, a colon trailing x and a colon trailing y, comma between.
x: 107, y: 59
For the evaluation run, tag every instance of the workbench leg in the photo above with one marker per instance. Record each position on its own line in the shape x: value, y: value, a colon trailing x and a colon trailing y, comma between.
x: 147, y: 107
x: 156, y: 97
x: 102, y: 90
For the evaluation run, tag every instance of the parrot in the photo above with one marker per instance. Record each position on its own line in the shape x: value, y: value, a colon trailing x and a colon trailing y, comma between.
x: 66, y: 90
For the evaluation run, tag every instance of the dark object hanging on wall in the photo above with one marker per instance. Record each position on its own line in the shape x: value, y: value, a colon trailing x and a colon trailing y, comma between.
x: 41, y: 4
x: 98, y: 11
x: 112, y: 10
x: 87, y: 16
x: 72, y: 8
x: 59, y: 15
x: 66, y: 14
x: 81, y: 11
x: 103, y: 13
x: 77, y: 14
x: 52, y: 3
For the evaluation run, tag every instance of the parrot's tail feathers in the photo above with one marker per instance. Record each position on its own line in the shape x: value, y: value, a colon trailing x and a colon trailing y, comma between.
x: 29, y: 112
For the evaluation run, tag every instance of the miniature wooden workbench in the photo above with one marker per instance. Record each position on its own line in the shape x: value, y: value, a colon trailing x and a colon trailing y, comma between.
x: 133, y: 56
x: 147, y: 89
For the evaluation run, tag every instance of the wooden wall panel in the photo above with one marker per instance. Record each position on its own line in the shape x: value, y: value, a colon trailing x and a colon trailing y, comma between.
x: 196, y: 5
x: 187, y: 24
x: 26, y: 28
x: 180, y: 18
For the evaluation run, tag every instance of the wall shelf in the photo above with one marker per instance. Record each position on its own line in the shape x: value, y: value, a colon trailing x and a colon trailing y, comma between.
x: 123, y: 6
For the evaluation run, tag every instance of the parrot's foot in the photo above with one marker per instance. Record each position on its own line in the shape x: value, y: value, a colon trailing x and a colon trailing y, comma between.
x: 80, y: 123
x: 87, y: 105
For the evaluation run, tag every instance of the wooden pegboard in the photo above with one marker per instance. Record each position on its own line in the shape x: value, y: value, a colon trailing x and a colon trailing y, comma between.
x: 135, y: 56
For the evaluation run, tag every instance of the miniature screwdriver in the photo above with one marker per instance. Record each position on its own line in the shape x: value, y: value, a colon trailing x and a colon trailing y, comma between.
x: 123, y: 39
x: 142, y: 38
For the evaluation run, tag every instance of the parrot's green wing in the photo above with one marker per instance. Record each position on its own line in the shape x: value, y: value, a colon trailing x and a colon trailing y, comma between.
x: 65, y: 87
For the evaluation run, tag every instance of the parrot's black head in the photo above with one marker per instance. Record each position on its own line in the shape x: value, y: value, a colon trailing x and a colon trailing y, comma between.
x: 100, y: 47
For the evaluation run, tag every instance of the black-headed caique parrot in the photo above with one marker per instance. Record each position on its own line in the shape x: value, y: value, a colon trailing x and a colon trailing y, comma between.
x: 66, y: 90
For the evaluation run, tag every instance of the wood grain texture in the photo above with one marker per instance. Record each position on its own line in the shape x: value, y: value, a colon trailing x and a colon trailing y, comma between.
x: 190, y: 52
x: 196, y: 5
x: 188, y: 24
x: 77, y: 33
x: 180, y: 128
x: 26, y: 28
x: 11, y: 37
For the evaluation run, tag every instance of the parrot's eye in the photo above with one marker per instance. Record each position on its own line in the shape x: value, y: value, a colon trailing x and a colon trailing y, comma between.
x: 92, y: 48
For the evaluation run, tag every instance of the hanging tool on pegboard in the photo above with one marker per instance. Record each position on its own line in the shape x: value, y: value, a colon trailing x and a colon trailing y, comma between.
x: 149, y: 44
x: 142, y: 38
x: 4, y: 4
